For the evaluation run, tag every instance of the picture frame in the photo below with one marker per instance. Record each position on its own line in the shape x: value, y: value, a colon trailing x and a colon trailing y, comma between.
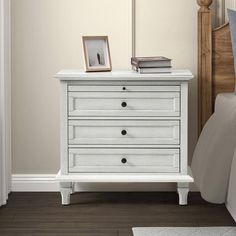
x: 96, y: 53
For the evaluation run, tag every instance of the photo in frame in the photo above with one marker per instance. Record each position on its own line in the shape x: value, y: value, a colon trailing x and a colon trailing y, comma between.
x: 96, y: 53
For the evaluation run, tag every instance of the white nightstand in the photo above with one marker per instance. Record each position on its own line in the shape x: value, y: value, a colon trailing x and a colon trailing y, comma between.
x: 124, y: 127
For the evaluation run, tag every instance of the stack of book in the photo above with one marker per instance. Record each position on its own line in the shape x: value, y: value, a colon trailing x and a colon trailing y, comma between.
x: 149, y: 65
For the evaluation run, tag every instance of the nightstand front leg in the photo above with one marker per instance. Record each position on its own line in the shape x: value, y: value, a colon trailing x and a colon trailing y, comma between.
x: 65, y: 189
x: 183, y: 189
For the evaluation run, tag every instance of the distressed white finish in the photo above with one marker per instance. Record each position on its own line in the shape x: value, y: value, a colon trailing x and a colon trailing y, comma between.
x: 66, y: 189
x: 129, y: 88
x: 184, y: 128
x: 108, y: 103
x: 5, y: 101
x: 138, y: 160
x: 125, y: 177
x: 64, y: 128
x: 110, y: 132
x: 124, y: 127
x: 78, y: 75
x: 183, y: 189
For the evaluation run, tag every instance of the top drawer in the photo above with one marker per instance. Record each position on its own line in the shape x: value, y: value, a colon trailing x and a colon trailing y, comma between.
x: 128, y: 88
x: 124, y: 101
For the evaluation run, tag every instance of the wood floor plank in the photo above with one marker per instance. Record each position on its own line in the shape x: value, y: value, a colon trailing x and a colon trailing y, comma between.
x: 125, y: 232
x: 55, y: 232
x: 104, y: 214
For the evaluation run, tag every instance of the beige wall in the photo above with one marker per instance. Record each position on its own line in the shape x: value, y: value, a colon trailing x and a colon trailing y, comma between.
x: 46, y: 37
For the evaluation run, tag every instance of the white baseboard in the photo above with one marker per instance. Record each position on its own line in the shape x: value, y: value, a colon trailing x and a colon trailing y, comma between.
x: 47, y: 183
x: 34, y: 183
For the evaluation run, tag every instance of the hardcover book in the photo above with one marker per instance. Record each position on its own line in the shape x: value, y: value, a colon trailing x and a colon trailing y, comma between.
x: 143, y: 62
x: 152, y: 70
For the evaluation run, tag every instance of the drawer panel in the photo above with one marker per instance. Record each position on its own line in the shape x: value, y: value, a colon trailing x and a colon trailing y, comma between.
x: 124, y: 160
x: 125, y: 88
x: 124, y: 104
x: 123, y: 132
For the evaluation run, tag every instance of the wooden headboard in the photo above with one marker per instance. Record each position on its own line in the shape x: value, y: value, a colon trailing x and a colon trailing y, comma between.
x: 215, y: 62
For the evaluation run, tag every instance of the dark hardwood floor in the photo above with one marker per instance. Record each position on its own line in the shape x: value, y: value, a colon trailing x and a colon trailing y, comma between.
x: 104, y: 214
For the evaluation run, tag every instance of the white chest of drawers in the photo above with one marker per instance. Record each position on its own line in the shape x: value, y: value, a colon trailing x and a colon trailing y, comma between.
x: 124, y: 127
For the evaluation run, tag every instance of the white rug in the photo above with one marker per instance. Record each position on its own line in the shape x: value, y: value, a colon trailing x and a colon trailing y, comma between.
x: 185, y: 231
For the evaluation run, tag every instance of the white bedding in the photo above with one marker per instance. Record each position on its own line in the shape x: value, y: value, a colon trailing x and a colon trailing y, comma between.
x: 231, y: 198
x: 212, y: 160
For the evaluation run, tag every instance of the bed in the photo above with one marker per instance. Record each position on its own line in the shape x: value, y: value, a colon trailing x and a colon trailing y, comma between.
x: 215, y: 62
x: 215, y: 76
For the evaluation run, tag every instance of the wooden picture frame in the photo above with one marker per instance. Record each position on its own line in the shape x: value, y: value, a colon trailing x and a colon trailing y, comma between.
x: 96, y: 53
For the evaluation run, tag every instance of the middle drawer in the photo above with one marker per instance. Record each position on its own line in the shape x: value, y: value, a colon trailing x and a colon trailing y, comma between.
x: 124, y: 132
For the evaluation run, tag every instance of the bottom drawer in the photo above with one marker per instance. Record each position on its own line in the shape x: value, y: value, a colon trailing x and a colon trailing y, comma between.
x: 99, y: 160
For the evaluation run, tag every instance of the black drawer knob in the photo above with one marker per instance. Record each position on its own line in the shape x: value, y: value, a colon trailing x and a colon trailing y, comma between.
x: 123, y: 132
x: 124, y: 88
x: 124, y: 104
x: 123, y: 160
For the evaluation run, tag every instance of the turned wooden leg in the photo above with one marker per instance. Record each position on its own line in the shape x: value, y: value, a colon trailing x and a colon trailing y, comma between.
x: 183, y: 189
x: 65, y: 189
